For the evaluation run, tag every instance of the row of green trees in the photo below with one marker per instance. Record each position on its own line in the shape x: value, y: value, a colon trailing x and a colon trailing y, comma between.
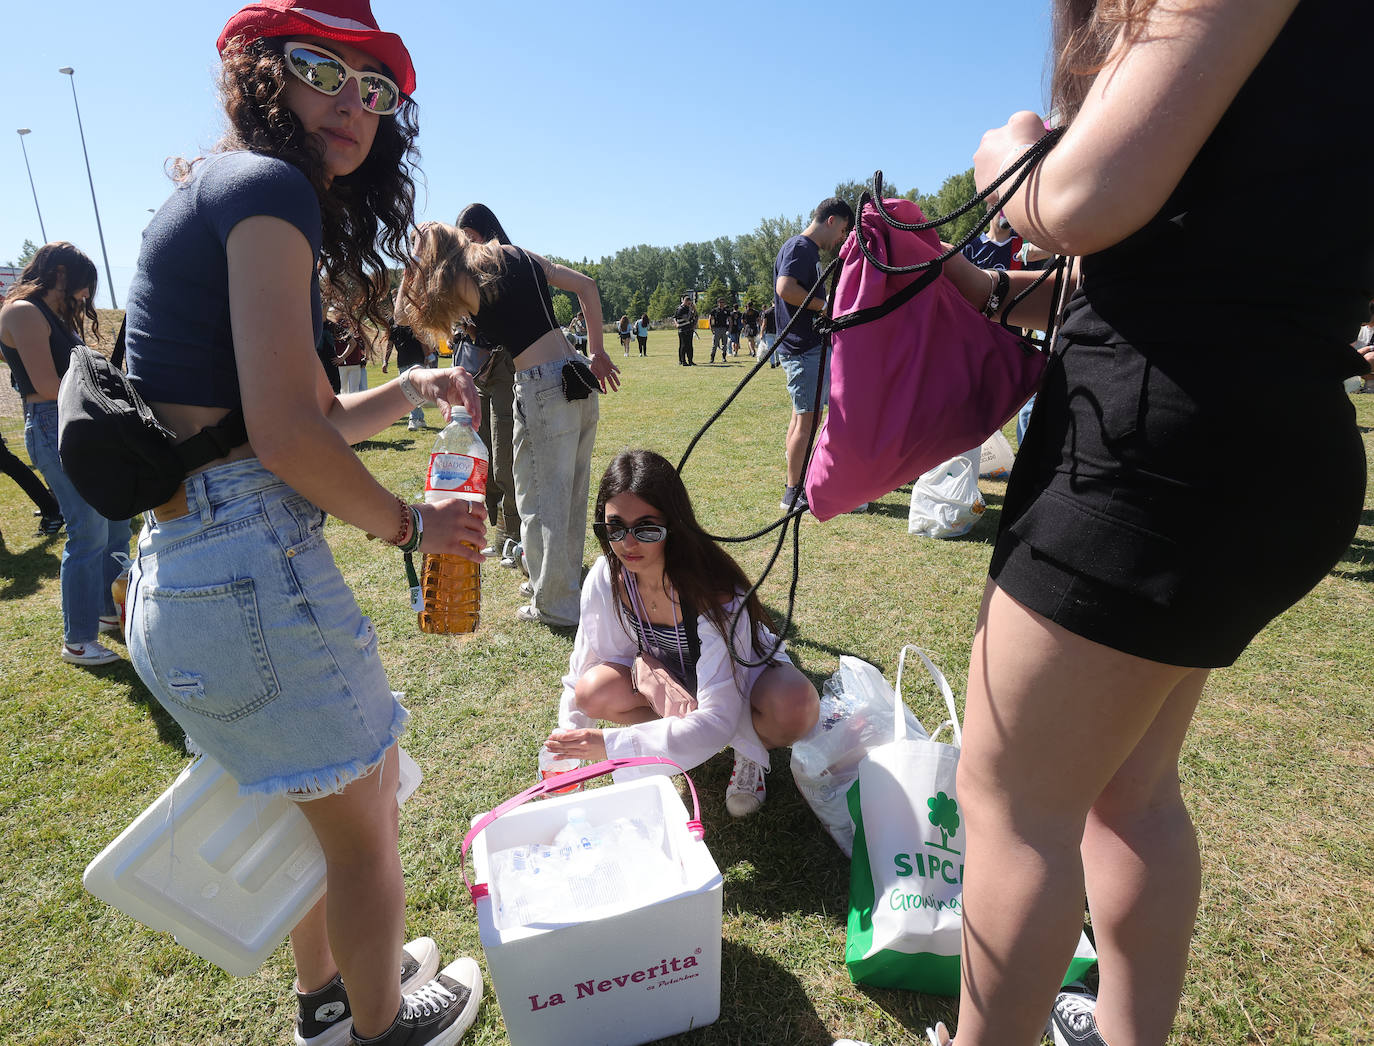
x: 651, y: 279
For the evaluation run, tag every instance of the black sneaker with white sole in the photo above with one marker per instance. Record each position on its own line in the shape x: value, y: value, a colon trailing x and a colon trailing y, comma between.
x: 438, y: 1013
x: 1073, y: 1021
x: 323, y: 1017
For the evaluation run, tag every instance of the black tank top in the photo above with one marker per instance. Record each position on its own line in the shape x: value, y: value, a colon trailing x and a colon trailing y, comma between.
x: 516, y: 309
x: 1267, y: 244
x: 60, y: 341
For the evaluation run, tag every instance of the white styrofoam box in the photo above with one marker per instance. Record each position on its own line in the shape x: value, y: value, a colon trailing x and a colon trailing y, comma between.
x: 228, y: 876
x: 628, y: 978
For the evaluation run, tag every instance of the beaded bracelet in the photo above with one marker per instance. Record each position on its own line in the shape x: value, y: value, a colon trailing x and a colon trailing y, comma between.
x: 417, y: 530
x: 407, y: 524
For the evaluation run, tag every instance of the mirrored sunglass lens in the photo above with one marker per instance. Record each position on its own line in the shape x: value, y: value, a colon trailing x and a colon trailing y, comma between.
x: 319, y: 71
x: 379, y: 94
x: 649, y: 533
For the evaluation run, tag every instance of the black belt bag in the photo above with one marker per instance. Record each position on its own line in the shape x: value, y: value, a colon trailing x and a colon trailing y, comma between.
x: 119, y: 457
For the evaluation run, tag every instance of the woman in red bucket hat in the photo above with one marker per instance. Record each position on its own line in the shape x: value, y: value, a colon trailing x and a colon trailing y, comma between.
x: 240, y: 622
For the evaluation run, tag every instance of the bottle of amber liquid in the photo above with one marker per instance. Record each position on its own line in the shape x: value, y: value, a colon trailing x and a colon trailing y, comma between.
x: 451, y: 587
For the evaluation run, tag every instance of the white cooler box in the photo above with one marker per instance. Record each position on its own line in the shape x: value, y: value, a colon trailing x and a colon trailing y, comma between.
x: 626, y: 978
x: 228, y: 876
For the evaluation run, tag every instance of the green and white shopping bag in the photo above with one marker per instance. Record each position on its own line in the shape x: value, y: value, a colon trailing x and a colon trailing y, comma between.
x: 907, y: 872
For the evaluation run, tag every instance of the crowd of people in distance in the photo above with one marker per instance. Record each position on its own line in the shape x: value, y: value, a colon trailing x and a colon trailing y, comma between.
x: 1105, y: 607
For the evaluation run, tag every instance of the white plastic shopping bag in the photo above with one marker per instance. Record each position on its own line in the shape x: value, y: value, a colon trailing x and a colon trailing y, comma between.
x: 996, y: 458
x: 945, y: 502
x: 907, y: 873
x: 855, y: 716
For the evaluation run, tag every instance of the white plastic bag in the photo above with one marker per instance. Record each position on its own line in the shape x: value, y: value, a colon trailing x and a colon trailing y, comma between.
x: 996, y: 458
x: 945, y: 502
x: 855, y: 716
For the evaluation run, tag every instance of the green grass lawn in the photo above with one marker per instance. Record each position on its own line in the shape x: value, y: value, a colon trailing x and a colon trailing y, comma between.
x: 1277, y: 770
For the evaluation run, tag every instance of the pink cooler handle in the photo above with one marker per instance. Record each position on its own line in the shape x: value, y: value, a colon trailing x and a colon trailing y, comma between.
x: 556, y: 784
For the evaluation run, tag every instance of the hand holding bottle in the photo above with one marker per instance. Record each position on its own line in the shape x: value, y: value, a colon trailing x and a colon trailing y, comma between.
x: 449, y: 387
x: 454, y: 527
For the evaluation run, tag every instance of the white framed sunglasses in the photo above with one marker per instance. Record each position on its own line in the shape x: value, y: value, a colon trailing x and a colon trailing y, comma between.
x: 327, y: 73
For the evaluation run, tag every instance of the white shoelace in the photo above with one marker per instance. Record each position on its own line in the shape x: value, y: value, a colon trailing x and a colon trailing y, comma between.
x: 1076, y: 1011
x: 748, y: 775
x: 428, y: 1000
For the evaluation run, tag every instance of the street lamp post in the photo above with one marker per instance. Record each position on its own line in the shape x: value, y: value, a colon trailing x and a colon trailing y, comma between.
x: 21, y: 132
x: 67, y: 70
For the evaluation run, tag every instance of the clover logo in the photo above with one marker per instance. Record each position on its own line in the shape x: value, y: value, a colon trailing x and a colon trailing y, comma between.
x: 944, y: 815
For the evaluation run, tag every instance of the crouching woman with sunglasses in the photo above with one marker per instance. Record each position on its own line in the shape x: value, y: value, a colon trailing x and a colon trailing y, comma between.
x: 663, y: 588
x: 240, y: 622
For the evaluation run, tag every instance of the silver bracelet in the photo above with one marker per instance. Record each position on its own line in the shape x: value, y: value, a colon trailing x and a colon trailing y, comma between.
x: 409, y: 390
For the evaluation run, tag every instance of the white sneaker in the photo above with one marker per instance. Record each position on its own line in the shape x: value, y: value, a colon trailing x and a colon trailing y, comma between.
x: 746, y: 790
x: 413, y: 425
x: 1073, y: 1021
x: 91, y: 653
x: 111, y: 623
x: 527, y: 589
x: 939, y: 1035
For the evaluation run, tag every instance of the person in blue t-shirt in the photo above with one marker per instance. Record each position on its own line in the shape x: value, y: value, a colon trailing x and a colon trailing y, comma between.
x: 998, y: 248
x: 797, y: 269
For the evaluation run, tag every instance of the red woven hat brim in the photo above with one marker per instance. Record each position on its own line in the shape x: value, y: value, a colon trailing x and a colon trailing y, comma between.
x: 268, y: 19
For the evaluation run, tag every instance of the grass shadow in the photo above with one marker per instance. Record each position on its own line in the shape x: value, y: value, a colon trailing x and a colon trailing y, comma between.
x: 384, y: 444
x: 25, y: 571
x: 791, y: 1017
x: 778, y: 861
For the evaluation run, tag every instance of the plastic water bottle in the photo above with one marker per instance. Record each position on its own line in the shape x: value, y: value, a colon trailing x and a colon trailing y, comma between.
x: 578, y: 834
x: 450, y: 586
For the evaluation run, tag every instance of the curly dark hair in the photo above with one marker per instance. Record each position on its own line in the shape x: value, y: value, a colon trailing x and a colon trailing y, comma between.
x: 61, y: 264
x: 705, y: 576
x: 366, y: 214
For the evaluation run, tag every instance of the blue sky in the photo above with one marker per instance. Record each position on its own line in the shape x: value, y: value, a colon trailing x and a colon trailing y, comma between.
x: 586, y: 127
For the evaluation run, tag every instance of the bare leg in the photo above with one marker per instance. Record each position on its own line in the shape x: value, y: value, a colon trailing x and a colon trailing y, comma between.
x: 798, y: 429
x: 1143, y: 875
x: 357, y: 829
x: 1051, y: 719
x: 784, y: 706
x: 315, y: 965
x: 605, y: 692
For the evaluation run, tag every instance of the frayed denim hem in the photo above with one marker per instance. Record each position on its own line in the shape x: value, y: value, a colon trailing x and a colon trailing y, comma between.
x: 330, y: 780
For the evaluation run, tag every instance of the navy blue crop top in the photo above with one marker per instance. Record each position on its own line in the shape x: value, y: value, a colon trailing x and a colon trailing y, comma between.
x: 60, y: 341
x: 180, y: 344
x: 516, y: 309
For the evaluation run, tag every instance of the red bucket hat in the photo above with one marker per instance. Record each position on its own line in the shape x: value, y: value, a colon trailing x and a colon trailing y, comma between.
x: 348, y: 21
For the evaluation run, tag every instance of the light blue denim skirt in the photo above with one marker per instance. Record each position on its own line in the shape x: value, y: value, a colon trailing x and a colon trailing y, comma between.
x: 243, y: 628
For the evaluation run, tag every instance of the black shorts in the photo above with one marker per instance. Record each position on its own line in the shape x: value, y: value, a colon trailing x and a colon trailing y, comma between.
x: 1171, y: 504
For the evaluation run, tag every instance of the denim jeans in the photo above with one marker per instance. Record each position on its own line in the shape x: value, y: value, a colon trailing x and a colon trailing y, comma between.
x: 88, y: 563
x: 553, y: 458
x: 720, y: 339
x: 243, y: 628
x: 1023, y: 419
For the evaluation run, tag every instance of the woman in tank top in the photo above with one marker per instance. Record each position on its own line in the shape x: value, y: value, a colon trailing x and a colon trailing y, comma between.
x: 1115, y: 585
x: 44, y: 315
x: 662, y: 585
x: 503, y: 291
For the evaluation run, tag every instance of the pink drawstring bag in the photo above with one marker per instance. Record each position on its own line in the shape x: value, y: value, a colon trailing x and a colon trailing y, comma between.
x: 917, y: 374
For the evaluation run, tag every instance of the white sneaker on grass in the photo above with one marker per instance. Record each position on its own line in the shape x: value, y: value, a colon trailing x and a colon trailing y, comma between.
x: 89, y: 653
x: 746, y: 791
x: 111, y: 623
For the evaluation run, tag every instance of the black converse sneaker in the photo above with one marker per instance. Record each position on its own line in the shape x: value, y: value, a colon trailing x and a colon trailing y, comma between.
x: 436, y: 1014
x: 1072, y: 1020
x: 323, y: 1017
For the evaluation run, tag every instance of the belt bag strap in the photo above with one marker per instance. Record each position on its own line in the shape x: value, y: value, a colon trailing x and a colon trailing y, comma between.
x: 213, y: 441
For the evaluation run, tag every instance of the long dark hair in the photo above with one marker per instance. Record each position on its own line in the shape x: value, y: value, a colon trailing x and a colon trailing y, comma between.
x: 479, y: 217
x: 1084, y: 32
x: 48, y: 268
x: 704, y: 575
x: 366, y: 214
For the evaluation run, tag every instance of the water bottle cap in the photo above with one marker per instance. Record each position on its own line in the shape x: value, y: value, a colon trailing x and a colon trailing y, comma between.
x: 460, y: 416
